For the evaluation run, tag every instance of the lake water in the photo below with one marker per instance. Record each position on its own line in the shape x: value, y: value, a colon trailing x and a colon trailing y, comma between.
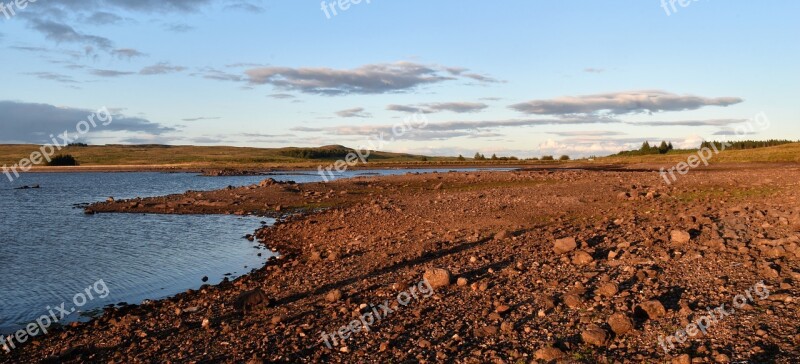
x: 50, y: 250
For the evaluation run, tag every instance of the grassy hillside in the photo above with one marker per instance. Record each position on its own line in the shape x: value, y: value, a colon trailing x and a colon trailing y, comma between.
x: 781, y: 153
x: 196, y: 156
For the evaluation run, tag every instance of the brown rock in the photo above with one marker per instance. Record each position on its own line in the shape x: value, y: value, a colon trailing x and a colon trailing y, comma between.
x: 255, y: 360
x: 438, y: 277
x: 654, y: 309
x: 608, y: 289
x: 573, y: 301
x: 582, y: 258
x: 462, y: 282
x: 620, y: 323
x: 595, y: 336
x: 252, y: 300
x: 683, y: 359
x: 486, y: 331
x: 334, y: 295
x: 679, y: 237
x: 267, y: 182
x: 564, y: 245
x: 549, y: 354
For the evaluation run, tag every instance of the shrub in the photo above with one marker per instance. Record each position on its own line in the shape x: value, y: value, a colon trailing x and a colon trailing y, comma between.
x: 563, y: 158
x: 548, y: 158
x: 317, y: 153
x: 63, y: 160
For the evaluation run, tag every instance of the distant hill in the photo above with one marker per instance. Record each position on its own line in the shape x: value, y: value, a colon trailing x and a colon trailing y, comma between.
x: 200, y: 156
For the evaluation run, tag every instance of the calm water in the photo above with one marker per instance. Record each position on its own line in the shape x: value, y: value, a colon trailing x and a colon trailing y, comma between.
x: 50, y: 250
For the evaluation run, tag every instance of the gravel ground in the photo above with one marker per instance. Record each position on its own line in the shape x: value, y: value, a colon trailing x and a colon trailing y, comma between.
x: 497, y: 267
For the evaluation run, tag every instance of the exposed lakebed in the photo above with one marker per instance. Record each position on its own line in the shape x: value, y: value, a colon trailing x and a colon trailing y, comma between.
x: 50, y: 250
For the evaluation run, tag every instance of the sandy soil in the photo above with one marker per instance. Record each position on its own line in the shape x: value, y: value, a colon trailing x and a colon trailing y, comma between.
x: 525, y: 267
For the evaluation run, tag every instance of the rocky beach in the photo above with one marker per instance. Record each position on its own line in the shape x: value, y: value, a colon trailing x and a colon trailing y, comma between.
x: 564, y: 266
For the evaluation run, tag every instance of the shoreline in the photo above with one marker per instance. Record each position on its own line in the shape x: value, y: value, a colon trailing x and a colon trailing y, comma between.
x: 556, y: 165
x: 368, y: 238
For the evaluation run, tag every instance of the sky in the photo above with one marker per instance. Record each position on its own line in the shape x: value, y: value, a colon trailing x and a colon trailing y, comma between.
x: 522, y: 78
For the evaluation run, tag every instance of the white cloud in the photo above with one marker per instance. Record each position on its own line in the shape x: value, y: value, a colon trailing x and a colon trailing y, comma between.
x: 619, y: 103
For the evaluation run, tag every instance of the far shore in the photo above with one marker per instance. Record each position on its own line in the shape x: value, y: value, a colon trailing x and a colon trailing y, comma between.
x: 595, y: 166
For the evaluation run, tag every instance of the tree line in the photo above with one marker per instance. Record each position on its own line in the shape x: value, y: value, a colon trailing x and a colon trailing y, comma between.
x: 745, y: 144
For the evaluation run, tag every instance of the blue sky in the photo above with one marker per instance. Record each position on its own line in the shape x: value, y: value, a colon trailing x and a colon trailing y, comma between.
x: 522, y: 78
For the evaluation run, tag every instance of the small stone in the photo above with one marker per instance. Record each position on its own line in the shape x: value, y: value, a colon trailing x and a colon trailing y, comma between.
x: 549, y: 354
x: 683, y: 359
x: 679, y: 237
x: 438, y: 277
x: 462, y: 282
x: 582, y: 258
x: 722, y: 358
x: 255, y: 360
x: 573, y: 301
x: 595, y: 336
x: 334, y: 295
x: 564, y: 245
x: 654, y: 309
x: 486, y: 331
x: 620, y: 323
x: 501, y: 235
x: 608, y: 289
